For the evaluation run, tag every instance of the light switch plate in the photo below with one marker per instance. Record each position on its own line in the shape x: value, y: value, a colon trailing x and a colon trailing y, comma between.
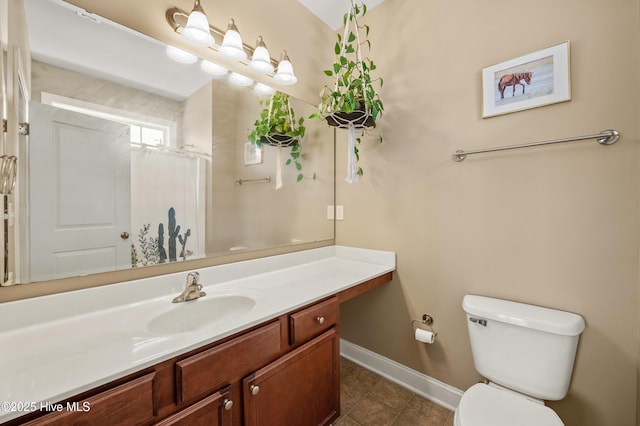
x: 330, y: 213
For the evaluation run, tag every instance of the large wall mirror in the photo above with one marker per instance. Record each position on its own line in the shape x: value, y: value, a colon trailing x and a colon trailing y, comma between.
x: 136, y: 160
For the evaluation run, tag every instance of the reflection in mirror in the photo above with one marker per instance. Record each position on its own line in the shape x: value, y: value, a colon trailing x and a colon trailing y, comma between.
x: 137, y: 160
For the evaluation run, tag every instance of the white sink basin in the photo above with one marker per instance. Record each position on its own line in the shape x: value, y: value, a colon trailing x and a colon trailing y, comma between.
x: 200, y: 313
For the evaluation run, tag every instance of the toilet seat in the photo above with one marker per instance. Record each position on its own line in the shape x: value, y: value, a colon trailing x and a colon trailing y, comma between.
x: 484, y: 405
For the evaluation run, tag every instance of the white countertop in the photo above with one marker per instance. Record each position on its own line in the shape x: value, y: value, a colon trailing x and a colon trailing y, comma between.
x: 54, y: 347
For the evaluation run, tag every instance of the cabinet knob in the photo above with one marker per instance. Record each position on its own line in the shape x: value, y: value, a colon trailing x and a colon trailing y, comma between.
x: 254, y: 389
x: 227, y: 404
x: 320, y: 320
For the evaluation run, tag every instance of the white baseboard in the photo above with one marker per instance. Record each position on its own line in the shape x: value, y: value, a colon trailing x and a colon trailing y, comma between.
x: 421, y: 384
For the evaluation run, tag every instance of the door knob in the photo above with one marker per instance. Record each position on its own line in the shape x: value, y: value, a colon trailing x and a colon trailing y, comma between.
x: 124, y: 235
x: 254, y: 389
x: 320, y: 320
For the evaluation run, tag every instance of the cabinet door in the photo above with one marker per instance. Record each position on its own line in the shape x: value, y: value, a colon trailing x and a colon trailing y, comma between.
x: 301, y: 388
x: 214, y: 410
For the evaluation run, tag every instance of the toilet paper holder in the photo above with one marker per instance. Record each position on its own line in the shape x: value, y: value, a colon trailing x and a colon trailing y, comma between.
x: 426, y: 336
x: 426, y: 320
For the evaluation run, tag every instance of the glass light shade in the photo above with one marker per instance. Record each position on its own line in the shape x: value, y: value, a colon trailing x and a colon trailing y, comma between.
x: 263, y: 89
x: 197, y: 28
x: 180, y: 55
x: 232, y: 44
x: 261, y: 61
x: 240, y: 80
x: 285, y: 74
x: 215, y: 70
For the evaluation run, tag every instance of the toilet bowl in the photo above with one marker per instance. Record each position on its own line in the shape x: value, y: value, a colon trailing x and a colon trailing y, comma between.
x: 527, y: 354
x: 486, y: 405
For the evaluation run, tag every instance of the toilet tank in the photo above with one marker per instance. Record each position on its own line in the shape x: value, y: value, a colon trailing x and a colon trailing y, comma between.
x: 526, y: 348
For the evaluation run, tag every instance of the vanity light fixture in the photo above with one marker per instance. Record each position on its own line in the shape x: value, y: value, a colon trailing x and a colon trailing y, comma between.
x: 197, y: 28
x: 180, y: 55
x: 232, y: 46
x: 212, y: 69
x: 240, y: 80
x: 285, y: 74
x: 263, y: 89
x: 261, y: 61
x: 232, y: 43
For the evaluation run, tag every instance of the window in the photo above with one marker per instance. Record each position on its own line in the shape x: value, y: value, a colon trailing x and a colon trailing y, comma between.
x: 147, y: 135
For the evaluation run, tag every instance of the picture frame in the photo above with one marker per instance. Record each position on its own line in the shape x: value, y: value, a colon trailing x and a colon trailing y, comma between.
x: 252, y: 154
x: 529, y: 81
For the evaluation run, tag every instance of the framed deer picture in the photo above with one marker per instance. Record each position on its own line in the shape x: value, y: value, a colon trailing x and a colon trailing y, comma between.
x: 533, y: 80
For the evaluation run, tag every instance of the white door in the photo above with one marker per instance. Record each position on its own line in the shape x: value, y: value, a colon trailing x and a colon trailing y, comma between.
x: 80, y: 199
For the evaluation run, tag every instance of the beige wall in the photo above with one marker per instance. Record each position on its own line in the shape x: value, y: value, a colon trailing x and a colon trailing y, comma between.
x: 555, y: 226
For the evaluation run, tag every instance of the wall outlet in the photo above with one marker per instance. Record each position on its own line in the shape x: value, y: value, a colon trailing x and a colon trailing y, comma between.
x: 339, y: 212
x: 330, y: 212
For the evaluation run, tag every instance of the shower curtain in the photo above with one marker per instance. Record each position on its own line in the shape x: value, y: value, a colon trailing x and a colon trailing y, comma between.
x: 161, y: 180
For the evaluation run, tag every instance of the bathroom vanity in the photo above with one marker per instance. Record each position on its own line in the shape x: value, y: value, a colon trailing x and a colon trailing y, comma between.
x: 261, y: 348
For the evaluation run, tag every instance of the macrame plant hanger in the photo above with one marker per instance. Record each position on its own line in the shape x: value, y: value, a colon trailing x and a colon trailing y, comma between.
x: 355, y: 121
x: 279, y: 143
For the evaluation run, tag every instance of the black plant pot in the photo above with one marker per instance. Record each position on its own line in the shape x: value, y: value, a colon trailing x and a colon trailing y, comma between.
x: 275, y: 139
x: 359, y: 118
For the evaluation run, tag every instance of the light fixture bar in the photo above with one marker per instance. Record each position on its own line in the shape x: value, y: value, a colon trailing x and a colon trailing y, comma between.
x: 177, y: 19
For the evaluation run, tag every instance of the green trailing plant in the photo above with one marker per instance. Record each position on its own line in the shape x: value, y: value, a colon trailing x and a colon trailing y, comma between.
x: 277, y: 126
x: 353, y: 101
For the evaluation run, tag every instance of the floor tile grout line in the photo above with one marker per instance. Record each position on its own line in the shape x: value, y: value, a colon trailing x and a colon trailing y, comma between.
x: 404, y: 407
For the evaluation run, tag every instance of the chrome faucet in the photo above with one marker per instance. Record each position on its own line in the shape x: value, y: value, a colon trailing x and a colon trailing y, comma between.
x: 192, y: 290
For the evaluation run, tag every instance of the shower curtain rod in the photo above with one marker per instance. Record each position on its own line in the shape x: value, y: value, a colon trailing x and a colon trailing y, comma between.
x: 606, y: 137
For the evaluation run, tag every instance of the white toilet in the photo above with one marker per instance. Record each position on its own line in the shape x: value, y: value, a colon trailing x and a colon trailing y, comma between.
x: 526, y: 353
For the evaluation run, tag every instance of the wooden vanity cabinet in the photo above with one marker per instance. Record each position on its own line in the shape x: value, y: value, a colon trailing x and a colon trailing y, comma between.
x: 281, y: 373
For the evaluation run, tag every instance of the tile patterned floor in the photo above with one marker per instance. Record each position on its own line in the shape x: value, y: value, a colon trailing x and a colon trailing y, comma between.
x: 370, y: 400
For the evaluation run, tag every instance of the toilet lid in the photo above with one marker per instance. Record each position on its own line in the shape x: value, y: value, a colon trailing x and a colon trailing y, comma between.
x: 484, y: 405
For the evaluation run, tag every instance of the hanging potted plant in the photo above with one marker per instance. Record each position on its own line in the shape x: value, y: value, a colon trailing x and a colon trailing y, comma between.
x: 277, y: 126
x: 352, y: 102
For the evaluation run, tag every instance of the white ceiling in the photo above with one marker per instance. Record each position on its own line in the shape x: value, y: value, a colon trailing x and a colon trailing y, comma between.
x: 331, y: 12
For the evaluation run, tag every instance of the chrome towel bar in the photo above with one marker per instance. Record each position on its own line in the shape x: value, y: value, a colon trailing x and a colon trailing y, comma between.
x: 606, y: 137
x: 241, y: 181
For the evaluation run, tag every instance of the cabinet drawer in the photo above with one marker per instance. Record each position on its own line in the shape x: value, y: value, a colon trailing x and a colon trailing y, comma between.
x: 214, y: 368
x: 129, y: 404
x: 214, y: 410
x: 313, y: 320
